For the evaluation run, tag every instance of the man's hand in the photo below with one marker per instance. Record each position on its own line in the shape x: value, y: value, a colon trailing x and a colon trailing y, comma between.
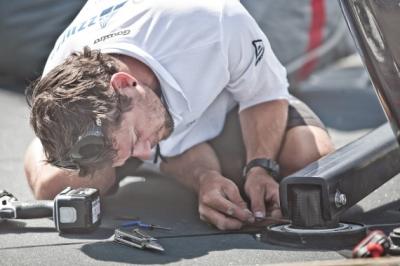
x: 220, y: 202
x: 263, y: 192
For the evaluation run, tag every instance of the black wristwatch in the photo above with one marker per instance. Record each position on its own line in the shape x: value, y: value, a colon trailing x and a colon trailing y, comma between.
x: 269, y: 165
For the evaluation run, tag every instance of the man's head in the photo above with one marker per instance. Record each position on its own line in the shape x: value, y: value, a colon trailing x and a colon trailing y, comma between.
x: 88, y: 97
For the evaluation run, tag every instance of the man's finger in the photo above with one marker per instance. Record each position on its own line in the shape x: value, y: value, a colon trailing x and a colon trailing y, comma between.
x: 273, y: 209
x: 227, y: 207
x: 272, y: 196
x: 257, y: 195
x: 276, y: 213
x: 232, y: 193
x: 272, y: 203
x: 220, y: 220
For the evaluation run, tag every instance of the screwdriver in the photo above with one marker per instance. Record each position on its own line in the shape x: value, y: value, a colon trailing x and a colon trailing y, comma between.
x: 144, y: 225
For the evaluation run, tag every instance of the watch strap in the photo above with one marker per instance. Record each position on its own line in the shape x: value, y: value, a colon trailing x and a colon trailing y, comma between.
x: 269, y: 165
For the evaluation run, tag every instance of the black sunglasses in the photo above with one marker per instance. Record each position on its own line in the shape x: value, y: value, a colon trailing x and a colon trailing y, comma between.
x: 87, y: 149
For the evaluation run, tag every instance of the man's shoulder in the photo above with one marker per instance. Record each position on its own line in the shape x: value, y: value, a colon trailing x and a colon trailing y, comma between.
x: 161, y: 27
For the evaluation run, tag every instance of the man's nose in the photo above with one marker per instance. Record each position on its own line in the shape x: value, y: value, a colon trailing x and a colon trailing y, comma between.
x: 142, y: 150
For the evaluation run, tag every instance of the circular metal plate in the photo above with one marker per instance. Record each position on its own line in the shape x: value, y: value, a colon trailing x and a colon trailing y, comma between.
x: 346, y: 235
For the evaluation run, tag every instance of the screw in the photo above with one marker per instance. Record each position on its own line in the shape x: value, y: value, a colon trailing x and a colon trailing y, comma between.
x: 397, y: 231
x: 340, y: 199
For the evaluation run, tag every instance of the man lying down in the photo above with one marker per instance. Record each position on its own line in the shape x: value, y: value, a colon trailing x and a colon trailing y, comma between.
x: 194, y: 83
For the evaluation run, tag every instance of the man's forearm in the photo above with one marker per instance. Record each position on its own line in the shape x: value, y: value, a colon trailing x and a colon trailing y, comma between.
x: 263, y: 128
x: 47, y: 181
x: 192, y: 165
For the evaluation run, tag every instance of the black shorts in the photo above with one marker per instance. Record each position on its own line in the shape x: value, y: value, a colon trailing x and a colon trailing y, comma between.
x: 299, y: 114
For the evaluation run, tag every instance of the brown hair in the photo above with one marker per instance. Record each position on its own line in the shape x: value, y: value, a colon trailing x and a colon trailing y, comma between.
x: 69, y: 99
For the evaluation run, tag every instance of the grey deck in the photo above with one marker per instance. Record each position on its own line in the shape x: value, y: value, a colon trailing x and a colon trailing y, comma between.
x: 158, y: 199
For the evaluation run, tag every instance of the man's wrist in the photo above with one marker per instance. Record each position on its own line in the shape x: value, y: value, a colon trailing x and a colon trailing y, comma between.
x: 201, y: 176
x: 270, y: 166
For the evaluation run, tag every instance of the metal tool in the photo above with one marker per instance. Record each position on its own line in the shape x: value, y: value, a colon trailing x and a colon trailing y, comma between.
x: 375, y: 244
x: 137, y: 239
x: 145, y: 225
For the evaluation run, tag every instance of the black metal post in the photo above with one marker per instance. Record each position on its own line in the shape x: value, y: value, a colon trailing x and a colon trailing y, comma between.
x: 317, y: 195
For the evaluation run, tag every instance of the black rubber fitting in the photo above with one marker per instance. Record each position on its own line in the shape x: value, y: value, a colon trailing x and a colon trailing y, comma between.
x: 345, y: 236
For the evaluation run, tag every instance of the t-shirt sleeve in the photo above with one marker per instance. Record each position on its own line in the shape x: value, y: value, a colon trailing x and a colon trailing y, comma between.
x: 256, y: 75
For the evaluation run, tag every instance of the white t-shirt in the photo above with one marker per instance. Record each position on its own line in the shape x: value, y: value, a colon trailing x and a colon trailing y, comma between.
x: 208, y: 55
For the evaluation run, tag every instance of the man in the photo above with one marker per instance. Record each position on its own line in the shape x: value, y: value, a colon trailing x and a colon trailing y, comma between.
x: 169, y: 77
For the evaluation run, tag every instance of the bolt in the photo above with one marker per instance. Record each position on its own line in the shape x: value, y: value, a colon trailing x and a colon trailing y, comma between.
x: 397, y: 231
x: 340, y: 199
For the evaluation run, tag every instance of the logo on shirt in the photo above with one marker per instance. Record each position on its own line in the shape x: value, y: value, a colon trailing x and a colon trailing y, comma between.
x: 102, y: 19
x: 108, y: 36
x: 259, y: 49
x: 106, y: 14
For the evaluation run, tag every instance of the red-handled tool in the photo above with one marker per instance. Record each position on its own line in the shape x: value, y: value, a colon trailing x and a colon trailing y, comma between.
x: 375, y: 244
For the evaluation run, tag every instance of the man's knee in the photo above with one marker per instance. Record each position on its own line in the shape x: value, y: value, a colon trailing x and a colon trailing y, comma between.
x: 303, y: 145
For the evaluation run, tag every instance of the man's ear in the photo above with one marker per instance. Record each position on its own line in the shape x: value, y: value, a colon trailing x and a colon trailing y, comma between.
x: 122, y: 80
